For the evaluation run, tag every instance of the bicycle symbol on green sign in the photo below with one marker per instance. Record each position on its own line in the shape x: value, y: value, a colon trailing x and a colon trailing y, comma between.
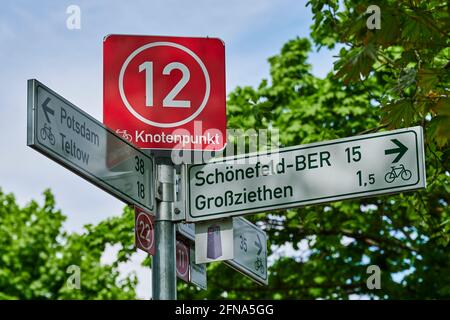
x: 46, y: 132
x: 398, y: 172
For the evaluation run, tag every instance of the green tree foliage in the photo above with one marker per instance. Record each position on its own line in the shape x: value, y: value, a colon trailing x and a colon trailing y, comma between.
x: 409, y: 55
x: 406, y: 235
x: 389, y: 78
x: 35, y: 253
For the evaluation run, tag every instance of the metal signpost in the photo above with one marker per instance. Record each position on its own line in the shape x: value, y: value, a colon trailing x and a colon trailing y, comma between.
x: 148, y: 104
x: 61, y: 131
x: 250, y: 250
x: 165, y: 93
x: 361, y: 166
x: 164, y: 265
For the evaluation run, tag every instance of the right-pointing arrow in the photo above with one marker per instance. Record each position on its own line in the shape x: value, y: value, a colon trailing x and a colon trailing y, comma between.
x: 401, y: 150
x: 258, y: 245
x: 47, y: 109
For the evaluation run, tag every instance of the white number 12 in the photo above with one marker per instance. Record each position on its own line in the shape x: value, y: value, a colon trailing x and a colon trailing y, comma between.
x: 169, y: 100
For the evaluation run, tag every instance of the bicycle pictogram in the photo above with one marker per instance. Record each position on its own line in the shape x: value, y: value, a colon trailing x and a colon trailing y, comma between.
x: 259, y: 265
x: 398, y: 172
x: 46, y: 132
x: 124, y: 134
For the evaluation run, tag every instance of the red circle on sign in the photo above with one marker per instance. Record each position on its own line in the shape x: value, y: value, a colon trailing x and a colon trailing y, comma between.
x: 145, y: 234
x: 182, y: 259
x: 130, y: 60
x: 175, y: 81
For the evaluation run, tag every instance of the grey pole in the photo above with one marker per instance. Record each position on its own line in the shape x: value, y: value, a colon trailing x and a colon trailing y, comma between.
x: 164, y: 281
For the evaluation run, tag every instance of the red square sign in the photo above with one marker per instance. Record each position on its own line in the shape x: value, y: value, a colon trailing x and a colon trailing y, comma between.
x: 165, y: 92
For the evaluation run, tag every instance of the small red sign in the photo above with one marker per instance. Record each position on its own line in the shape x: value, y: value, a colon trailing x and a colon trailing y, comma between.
x: 165, y: 92
x: 144, y: 231
x: 182, y: 259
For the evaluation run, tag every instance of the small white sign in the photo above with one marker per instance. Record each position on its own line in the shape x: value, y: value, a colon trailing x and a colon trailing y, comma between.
x: 187, y: 230
x: 198, y: 272
x: 250, y: 250
x: 214, y: 241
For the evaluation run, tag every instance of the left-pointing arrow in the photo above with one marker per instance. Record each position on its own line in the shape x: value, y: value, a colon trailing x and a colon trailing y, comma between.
x: 47, y: 109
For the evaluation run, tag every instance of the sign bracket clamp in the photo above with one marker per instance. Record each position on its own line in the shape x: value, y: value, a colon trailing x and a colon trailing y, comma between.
x: 167, y: 192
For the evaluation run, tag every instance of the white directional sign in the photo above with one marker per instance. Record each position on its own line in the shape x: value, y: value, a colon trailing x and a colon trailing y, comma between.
x: 360, y: 166
x: 197, y: 271
x: 187, y: 230
x: 66, y: 134
x: 214, y: 241
x: 250, y: 250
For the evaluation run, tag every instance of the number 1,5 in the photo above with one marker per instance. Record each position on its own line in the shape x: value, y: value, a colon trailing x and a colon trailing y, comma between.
x: 361, y: 179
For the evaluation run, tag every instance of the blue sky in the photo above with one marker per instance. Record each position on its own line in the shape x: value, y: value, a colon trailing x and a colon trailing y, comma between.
x: 35, y: 43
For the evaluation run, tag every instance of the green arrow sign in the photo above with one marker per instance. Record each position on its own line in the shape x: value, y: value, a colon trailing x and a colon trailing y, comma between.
x: 400, y: 151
